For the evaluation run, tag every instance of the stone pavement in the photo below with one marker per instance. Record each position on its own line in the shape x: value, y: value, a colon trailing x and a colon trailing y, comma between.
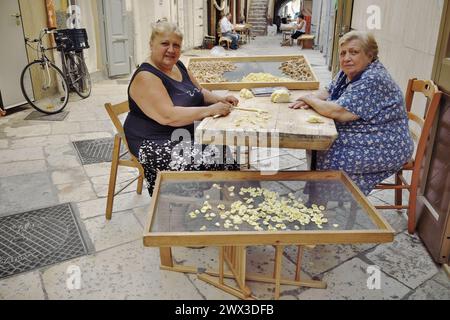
x: 39, y: 167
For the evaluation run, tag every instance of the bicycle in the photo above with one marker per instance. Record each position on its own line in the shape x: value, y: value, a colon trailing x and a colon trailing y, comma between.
x: 49, y: 90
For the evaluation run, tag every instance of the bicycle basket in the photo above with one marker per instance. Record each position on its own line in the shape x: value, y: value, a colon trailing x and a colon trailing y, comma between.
x: 72, y: 39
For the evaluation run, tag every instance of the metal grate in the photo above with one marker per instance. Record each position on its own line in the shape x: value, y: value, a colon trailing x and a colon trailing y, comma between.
x: 39, y: 238
x: 36, y: 115
x: 95, y: 151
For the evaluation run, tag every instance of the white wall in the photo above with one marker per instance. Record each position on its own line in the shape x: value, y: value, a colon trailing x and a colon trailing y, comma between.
x: 408, y: 35
x: 143, y: 16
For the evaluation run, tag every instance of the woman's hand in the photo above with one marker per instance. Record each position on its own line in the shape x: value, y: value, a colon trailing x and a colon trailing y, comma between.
x: 219, y: 109
x: 302, y: 102
x: 230, y: 100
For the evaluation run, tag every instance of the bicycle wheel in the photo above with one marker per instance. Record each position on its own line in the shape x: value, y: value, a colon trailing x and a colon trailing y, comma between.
x: 79, y: 75
x: 48, y: 92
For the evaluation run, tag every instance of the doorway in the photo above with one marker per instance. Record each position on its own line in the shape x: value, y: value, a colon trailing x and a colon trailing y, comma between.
x: 344, y: 12
x: 13, y: 56
x: 433, y: 206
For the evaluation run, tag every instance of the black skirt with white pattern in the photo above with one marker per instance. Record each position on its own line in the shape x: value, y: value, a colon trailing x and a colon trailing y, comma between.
x: 182, y: 156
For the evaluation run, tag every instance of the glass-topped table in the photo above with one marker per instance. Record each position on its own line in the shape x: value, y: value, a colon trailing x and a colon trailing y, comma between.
x: 233, y: 210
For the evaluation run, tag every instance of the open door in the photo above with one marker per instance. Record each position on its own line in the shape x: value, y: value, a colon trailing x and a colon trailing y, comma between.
x: 434, y: 204
x: 343, y: 25
x: 116, y: 37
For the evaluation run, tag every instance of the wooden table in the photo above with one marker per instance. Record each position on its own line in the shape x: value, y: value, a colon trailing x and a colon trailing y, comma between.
x: 286, y: 128
x: 244, y: 30
x: 176, y: 194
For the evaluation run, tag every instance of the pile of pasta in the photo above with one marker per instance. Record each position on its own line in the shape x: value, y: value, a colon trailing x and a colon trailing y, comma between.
x: 259, y: 209
x: 297, y: 69
x: 211, y: 71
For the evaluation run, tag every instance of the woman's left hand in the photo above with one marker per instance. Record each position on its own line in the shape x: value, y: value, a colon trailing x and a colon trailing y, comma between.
x: 230, y: 99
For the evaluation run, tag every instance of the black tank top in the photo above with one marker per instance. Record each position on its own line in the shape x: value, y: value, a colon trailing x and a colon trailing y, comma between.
x: 139, y: 127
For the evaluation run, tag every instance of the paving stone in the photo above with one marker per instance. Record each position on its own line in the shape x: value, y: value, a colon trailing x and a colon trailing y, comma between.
x: 96, y: 126
x: 122, y: 228
x: 396, y: 220
x: 25, y: 286
x: 297, y: 153
x: 28, y: 131
x: 277, y: 163
x: 104, y: 168
x: 129, y: 271
x: 324, y: 257
x: 101, y: 183
x: 437, y: 288
x: 258, y: 154
x: 122, y: 202
x: 406, y: 260
x: 75, y: 192
x: 26, y: 192
x: 260, y: 260
x: 4, y: 144
x: 90, y: 136
x: 43, y: 141
x: 61, y: 157
x: 25, y: 154
x: 275, y: 186
x: 11, y: 169
x: 142, y: 214
x: 69, y: 176
x: 349, y: 281
x: 65, y: 128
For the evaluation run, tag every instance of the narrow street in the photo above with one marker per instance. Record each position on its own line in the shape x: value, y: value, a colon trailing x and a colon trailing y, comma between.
x: 40, y: 167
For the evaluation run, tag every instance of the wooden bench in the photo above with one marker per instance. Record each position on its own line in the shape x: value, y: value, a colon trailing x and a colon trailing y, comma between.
x: 306, y: 41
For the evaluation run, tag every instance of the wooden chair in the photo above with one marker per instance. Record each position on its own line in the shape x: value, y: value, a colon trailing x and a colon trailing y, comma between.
x: 420, y: 129
x: 225, y: 40
x: 114, y: 111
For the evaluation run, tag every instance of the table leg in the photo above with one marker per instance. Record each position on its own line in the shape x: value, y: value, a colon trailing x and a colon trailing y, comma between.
x: 165, y: 254
x: 298, y: 267
x: 311, y: 159
x: 277, y: 270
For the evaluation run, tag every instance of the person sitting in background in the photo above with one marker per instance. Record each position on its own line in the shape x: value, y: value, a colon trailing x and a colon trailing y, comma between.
x: 368, y: 106
x: 300, y: 27
x: 227, y: 30
x: 163, y: 98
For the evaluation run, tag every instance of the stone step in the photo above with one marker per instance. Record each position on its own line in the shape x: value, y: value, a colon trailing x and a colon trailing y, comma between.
x: 262, y: 13
x: 256, y: 19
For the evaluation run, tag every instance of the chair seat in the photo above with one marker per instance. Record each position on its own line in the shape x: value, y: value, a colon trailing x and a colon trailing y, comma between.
x: 227, y: 41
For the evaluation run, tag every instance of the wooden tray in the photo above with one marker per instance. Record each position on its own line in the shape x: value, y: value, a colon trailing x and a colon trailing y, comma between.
x: 294, y: 84
x: 351, y: 218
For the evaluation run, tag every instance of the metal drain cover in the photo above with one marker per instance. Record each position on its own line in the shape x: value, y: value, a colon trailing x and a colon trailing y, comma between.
x: 36, y: 115
x: 39, y: 238
x: 95, y: 151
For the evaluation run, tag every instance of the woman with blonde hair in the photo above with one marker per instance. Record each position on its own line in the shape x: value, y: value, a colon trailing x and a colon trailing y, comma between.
x: 368, y: 106
x: 165, y: 100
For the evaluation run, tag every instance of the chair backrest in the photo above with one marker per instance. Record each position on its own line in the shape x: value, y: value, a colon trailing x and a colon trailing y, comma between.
x: 420, y: 127
x: 114, y: 111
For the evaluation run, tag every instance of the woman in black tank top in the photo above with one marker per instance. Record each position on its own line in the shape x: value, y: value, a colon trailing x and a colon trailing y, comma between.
x: 165, y: 100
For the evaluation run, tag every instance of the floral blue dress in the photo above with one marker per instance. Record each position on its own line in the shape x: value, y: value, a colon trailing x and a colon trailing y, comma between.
x: 376, y: 146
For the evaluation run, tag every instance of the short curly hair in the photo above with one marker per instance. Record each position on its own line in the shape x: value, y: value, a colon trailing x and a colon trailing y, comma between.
x: 367, y: 40
x: 164, y: 27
